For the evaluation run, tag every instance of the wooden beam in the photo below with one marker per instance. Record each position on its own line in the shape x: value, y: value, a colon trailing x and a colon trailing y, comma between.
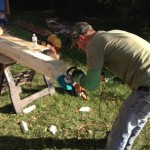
x: 24, y: 53
x: 30, y: 27
x: 20, y: 43
x: 7, y: 8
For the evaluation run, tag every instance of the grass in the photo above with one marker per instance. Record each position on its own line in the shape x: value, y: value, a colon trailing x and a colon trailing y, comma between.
x: 75, y: 130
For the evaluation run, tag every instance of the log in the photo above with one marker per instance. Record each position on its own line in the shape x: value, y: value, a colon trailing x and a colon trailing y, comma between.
x: 20, y: 43
x: 30, y: 27
x: 24, y: 53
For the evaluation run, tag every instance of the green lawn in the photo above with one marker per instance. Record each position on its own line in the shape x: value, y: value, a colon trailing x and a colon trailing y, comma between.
x: 76, y: 130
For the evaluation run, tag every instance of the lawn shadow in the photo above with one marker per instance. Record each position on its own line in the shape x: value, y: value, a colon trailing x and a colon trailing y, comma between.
x: 7, y: 109
x: 63, y: 91
x: 13, y: 143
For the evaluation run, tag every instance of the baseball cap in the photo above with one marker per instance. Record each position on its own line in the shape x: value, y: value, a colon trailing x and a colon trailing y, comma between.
x: 78, y: 29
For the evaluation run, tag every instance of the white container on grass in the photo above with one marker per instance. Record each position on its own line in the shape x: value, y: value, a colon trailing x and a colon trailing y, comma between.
x: 53, y: 129
x: 29, y: 109
x: 84, y: 109
x: 24, y: 126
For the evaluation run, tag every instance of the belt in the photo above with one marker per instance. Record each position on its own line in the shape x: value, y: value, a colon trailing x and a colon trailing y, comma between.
x: 143, y: 88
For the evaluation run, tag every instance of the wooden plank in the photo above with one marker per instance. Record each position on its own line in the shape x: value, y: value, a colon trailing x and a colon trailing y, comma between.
x: 2, y: 75
x: 14, y: 90
x: 20, y: 43
x: 30, y: 27
x: 32, y: 57
x: 7, y: 8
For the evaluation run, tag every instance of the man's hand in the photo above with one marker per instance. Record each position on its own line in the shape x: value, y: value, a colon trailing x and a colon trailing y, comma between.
x: 77, y: 71
x: 73, y: 71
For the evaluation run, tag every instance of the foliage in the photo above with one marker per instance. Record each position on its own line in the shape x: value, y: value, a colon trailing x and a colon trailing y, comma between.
x: 75, y: 8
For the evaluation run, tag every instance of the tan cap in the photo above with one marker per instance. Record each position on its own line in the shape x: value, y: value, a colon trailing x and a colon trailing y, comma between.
x: 54, y: 40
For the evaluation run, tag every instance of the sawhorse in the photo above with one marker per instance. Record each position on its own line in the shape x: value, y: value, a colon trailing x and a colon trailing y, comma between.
x: 14, y: 84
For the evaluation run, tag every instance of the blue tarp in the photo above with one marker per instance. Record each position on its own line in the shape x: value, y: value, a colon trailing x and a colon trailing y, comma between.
x: 2, y: 5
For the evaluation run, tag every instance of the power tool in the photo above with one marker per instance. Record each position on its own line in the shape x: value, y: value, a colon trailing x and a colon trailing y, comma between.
x: 67, y: 83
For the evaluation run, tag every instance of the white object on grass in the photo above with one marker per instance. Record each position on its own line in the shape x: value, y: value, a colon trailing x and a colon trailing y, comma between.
x: 24, y: 126
x: 29, y: 109
x: 53, y: 129
x: 84, y: 109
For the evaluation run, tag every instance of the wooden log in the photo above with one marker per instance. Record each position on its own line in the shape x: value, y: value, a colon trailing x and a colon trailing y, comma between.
x: 24, y: 53
x: 30, y: 27
x: 20, y: 43
x: 7, y: 8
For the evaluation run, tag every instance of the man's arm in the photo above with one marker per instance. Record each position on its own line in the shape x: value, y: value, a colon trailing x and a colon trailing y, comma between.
x: 90, y: 81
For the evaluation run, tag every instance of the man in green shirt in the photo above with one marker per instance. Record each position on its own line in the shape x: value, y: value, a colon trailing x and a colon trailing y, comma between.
x: 127, y: 56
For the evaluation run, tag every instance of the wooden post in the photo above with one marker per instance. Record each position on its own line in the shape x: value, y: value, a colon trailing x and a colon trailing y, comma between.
x: 7, y: 8
x: 1, y: 77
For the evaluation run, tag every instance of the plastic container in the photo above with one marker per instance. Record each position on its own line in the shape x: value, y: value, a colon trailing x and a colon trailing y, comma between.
x: 53, y: 129
x: 24, y: 126
x: 34, y: 40
x: 29, y: 109
x: 84, y: 109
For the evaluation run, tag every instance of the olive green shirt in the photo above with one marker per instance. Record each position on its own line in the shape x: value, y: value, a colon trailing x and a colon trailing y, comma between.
x: 124, y: 54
